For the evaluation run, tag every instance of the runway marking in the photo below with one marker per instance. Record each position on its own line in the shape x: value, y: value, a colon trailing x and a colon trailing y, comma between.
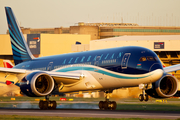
x: 89, y: 114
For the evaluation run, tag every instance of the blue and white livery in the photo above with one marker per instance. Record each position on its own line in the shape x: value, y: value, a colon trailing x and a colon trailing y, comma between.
x: 103, y: 70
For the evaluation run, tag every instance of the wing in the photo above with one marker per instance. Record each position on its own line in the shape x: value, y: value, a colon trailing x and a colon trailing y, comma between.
x: 15, y: 75
x: 172, y: 68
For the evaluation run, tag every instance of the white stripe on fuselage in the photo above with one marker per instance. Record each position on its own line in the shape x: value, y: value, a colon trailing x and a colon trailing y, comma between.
x: 98, y: 79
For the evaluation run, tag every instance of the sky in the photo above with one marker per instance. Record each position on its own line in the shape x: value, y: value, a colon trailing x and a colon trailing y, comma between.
x: 65, y: 13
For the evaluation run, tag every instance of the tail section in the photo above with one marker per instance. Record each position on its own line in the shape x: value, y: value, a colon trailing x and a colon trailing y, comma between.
x: 19, y: 46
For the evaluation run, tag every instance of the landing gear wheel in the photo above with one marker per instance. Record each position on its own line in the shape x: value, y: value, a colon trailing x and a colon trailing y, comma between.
x: 101, y: 105
x: 146, y: 97
x: 54, y: 105
x: 106, y: 105
x: 50, y: 104
x: 45, y: 105
x: 141, y: 97
x: 113, y: 105
x: 41, y: 104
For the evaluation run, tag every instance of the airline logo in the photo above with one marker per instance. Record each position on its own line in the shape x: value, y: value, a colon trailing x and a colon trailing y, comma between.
x: 33, y: 41
x: 37, y: 38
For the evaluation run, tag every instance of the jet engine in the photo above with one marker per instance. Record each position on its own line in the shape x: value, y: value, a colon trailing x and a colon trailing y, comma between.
x: 37, y: 84
x: 165, y: 87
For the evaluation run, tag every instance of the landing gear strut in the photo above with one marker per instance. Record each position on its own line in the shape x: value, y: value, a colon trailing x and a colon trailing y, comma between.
x: 47, y: 104
x: 107, y: 105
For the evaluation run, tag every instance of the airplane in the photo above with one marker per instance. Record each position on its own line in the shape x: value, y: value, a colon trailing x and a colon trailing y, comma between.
x: 8, y: 64
x: 97, y: 70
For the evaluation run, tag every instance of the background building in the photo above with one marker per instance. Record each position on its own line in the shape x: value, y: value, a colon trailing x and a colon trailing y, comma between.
x: 44, y: 44
x: 106, y: 30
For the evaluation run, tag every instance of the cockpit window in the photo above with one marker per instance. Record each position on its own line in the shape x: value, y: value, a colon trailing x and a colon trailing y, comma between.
x: 155, y: 58
x: 150, y: 58
x: 142, y: 59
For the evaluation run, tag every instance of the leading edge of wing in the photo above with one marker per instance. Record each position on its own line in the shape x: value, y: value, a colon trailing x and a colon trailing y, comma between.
x: 172, y: 68
x: 51, y: 73
x: 12, y: 70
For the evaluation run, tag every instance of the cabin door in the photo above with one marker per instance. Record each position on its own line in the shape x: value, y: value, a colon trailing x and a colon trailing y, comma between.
x: 49, y: 67
x: 125, y: 60
x: 96, y: 62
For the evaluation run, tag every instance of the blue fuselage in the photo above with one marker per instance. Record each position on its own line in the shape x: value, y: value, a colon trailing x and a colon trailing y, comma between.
x: 128, y: 60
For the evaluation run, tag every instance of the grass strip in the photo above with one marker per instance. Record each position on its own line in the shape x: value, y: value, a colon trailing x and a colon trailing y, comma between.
x: 19, y: 117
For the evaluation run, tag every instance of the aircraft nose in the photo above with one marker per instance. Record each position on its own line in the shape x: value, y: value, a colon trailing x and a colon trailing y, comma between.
x: 155, y: 66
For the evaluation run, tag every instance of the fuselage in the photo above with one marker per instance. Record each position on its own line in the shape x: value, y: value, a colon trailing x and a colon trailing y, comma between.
x: 127, y: 60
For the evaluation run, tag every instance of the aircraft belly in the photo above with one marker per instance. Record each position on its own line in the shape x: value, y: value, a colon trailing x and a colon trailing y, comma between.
x: 108, y: 81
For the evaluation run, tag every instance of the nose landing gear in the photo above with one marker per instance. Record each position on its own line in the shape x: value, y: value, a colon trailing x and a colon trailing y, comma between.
x: 144, y: 96
x: 107, y: 105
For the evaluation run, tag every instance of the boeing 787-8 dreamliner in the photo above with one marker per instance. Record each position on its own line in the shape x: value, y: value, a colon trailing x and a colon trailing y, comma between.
x: 103, y: 70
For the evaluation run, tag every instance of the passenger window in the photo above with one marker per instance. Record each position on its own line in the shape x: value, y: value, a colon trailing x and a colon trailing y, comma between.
x: 89, y: 58
x: 150, y: 58
x: 142, y: 59
x: 101, y: 57
x: 76, y: 60
x: 95, y: 58
x: 70, y: 60
x: 112, y: 56
x: 119, y: 55
x: 82, y: 59
x: 64, y: 61
x: 106, y: 56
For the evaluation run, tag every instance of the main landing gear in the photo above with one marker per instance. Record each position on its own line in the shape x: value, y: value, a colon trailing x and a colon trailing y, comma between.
x: 107, y: 105
x: 47, y: 104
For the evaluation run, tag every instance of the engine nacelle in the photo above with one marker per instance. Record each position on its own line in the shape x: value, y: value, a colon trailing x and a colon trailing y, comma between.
x: 37, y: 84
x: 166, y: 87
